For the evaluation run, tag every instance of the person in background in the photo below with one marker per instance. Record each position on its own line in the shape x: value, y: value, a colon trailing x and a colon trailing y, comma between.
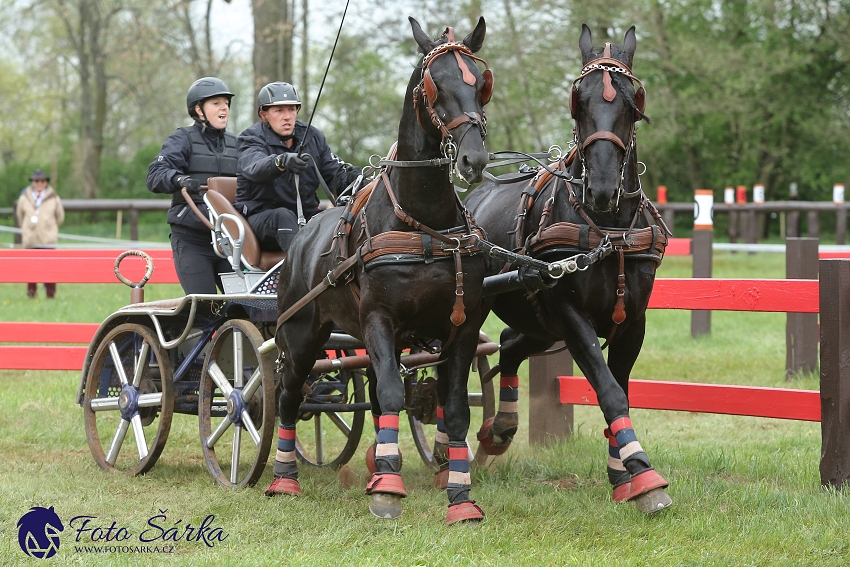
x: 190, y: 156
x: 267, y: 195
x: 40, y: 214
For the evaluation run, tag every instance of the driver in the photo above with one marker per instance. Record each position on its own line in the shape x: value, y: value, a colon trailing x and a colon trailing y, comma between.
x: 269, y: 160
x: 190, y: 156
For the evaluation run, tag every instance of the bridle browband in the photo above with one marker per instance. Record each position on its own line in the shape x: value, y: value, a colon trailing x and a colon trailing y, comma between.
x: 607, y: 65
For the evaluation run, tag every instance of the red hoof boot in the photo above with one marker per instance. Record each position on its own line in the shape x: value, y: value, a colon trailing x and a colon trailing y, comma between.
x: 283, y: 486
x: 488, y: 444
x: 370, y: 459
x: 621, y: 492
x: 386, y: 483
x: 464, y: 512
x: 646, y: 489
x: 441, y: 479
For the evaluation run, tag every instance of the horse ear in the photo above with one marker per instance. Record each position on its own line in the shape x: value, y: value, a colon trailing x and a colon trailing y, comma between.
x: 629, y: 46
x: 585, y: 44
x: 422, y: 39
x: 476, y: 39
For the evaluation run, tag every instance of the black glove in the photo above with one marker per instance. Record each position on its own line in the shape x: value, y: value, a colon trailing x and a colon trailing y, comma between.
x: 193, y: 186
x: 291, y: 162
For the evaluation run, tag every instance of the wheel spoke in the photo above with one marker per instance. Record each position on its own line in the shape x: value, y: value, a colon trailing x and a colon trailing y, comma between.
x: 252, y: 385
x: 219, y: 431
x: 337, y: 420
x: 220, y: 379
x: 117, y: 441
x: 249, y: 426
x: 234, y: 461
x: 103, y: 404
x: 320, y: 449
x: 139, y: 434
x: 140, y: 363
x: 116, y: 360
x: 238, y: 372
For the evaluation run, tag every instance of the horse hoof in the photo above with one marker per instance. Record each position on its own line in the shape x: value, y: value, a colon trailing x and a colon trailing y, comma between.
x: 286, y: 486
x: 441, y: 479
x: 385, y: 506
x: 653, y: 501
x: 490, y: 443
x: 370, y: 459
x: 467, y: 512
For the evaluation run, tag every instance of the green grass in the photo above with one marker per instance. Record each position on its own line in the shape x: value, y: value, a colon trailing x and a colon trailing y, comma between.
x: 746, y: 491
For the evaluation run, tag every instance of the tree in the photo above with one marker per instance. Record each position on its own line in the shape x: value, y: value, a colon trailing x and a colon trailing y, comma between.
x: 273, y: 52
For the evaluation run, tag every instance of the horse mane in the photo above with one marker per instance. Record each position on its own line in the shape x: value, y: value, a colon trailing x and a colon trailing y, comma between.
x: 627, y: 96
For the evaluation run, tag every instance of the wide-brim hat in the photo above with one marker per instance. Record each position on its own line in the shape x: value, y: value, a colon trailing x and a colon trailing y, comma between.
x: 39, y: 175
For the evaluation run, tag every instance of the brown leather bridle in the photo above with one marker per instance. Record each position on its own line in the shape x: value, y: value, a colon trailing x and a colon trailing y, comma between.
x: 426, y: 92
x: 608, y: 65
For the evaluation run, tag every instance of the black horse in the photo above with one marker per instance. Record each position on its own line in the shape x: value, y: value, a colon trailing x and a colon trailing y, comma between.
x: 592, y: 201
x: 408, y: 275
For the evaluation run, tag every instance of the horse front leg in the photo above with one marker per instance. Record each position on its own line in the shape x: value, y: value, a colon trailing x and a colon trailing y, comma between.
x: 386, y: 487
x: 456, y: 419
x: 629, y: 469
x: 497, y: 432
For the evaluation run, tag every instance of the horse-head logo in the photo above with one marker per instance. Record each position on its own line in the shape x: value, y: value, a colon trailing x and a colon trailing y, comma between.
x: 38, y: 532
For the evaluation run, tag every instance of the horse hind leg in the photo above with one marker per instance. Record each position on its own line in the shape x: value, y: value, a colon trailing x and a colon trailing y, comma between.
x: 497, y: 432
x: 296, y: 366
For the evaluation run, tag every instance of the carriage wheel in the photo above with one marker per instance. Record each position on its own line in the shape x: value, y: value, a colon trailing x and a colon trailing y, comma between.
x: 236, y: 406
x: 330, y: 438
x: 129, y: 387
x: 422, y: 411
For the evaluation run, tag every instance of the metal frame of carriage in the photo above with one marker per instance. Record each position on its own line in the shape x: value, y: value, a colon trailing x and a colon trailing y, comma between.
x: 213, y: 356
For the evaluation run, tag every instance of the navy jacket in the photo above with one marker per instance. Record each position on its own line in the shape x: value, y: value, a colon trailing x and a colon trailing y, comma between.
x: 172, y: 162
x: 261, y: 185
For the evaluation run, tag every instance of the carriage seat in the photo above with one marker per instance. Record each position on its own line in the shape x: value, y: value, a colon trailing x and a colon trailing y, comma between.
x: 220, y: 197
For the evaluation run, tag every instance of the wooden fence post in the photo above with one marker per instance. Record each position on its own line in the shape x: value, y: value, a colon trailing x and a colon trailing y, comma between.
x: 701, y: 253
x: 134, y: 224
x: 813, y: 230
x: 17, y: 239
x: 801, y: 329
x: 548, y: 419
x: 835, y: 371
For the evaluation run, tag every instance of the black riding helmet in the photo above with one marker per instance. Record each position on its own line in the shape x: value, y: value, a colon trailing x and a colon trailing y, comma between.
x: 277, y: 93
x: 204, y: 88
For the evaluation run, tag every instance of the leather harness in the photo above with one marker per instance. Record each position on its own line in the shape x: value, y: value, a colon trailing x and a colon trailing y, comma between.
x: 637, y: 244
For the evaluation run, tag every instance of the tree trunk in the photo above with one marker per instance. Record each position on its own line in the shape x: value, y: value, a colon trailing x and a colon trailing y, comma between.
x: 272, y: 41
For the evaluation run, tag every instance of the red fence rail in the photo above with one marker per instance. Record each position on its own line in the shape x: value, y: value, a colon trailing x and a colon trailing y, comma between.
x: 81, y: 266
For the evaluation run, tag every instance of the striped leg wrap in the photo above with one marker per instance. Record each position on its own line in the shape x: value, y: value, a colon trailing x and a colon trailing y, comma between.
x: 459, y: 483
x: 441, y: 439
x: 386, y: 452
x: 508, y: 394
x: 633, y: 456
x: 617, y: 473
x: 377, y: 424
x: 285, y: 465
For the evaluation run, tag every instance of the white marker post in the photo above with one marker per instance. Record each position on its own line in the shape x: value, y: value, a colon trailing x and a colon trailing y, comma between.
x: 701, y: 252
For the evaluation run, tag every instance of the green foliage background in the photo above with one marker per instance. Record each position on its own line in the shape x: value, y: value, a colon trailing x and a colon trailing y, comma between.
x: 739, y: 92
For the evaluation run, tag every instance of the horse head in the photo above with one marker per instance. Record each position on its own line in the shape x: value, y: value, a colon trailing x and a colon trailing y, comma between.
x: 450, y: 95
x: 606, y: 105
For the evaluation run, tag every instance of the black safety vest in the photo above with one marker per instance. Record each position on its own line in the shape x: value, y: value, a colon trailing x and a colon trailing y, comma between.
x: 205, y: 163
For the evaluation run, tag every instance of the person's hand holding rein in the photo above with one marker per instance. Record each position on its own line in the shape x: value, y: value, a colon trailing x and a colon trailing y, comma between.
x: 290, y: 162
